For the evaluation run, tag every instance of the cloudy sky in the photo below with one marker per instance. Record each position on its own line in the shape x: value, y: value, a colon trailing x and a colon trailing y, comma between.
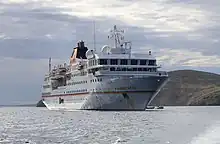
x: 183, y: 34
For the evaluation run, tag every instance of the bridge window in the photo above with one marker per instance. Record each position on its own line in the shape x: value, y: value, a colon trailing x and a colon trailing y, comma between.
x: 113, y: 61
x: 124, y: 62
x: 152, y: 62
x: 112, y: 69
x: 91, y: 62
x: 129, y: 69
x: 143, y: 62
x: 94, y: 62
x: 145, y: 69
x: 134, y: 62
x: 139, y: 69
x: 118, y: 69
x: 134, y: 69
x: 123, y: 69
x: 154, y: 69
x: 103, y: 61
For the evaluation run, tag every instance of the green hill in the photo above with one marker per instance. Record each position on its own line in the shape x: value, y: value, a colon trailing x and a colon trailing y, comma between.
x: 189, y: 87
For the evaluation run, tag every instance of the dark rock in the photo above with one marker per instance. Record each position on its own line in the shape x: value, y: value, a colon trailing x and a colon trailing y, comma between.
x: 40, y: 104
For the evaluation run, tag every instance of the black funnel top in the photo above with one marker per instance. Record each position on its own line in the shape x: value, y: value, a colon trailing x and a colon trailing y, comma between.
x: 81, y: 50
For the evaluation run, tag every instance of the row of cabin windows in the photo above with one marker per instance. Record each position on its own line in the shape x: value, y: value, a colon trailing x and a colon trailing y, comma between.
x: 97, y: 69
x: 122, y: 62
x: 123, y: 69
x: 112, y: 89
x: 46, y: 86
x: 74, y: 91
x: 46, y: 93
x: 79, y: 82
x: 96, y: 80
x: 79, y: 74
x: 133, y: 69
x: 69, y: 100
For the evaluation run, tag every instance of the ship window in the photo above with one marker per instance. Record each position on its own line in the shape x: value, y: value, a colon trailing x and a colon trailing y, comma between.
x: 134, y: 62
x: 112, y: 69
x: 129, y: 69
x: 118, y: 69
x: 90, y: 62
x: 144, y: 69
x: 139, y: 69
x: 123, y: 69
x: 113, y: 61
x: 152, y: 62
x: 103, y: 61
x: 124, y: 62
x: 46, y: 86
x: 143, y: 62
x: 134, y: 69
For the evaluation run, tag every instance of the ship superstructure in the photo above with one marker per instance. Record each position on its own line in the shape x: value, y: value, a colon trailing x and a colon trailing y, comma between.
x: 112, y: 79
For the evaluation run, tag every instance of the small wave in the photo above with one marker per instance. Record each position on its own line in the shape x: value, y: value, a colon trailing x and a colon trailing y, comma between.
x: 210, y: 136
x: 119, y: 140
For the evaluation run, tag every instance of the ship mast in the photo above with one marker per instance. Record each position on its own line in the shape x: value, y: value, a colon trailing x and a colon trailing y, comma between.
x: 49, y: 64
x: 94, y: 36
x: 117, y: 36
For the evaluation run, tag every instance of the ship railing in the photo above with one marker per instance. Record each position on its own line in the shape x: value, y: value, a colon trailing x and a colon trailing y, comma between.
x: 157, y: 73
x: 126, y: 66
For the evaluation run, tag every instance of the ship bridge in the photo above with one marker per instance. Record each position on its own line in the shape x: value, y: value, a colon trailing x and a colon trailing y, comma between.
x: 118, y: 59
x: 114, y: 64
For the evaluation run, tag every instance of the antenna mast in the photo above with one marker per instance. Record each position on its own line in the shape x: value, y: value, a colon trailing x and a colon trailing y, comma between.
x: 94, y: 36
x: 49, y: 64
x: 118, y: 37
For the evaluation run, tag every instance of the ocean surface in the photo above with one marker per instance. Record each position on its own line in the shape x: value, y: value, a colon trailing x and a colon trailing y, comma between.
x: 172, y: 125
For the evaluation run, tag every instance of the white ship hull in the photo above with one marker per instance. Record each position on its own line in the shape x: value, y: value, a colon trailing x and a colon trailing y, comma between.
x: 141, y: 91
x: 137, y: 101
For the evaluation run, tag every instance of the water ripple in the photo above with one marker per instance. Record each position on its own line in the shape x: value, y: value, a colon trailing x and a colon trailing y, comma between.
x: 172, y: 125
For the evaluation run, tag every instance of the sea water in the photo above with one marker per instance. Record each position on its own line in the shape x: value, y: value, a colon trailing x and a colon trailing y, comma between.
x: 171, y: 125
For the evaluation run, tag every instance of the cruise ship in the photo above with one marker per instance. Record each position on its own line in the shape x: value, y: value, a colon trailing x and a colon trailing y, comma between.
x: 112, y: 79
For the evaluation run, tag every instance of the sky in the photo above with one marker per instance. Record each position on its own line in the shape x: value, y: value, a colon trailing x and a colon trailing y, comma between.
x: 182, y: 34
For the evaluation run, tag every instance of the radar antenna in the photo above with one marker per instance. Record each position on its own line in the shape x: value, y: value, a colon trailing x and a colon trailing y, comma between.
x: 117, y: 36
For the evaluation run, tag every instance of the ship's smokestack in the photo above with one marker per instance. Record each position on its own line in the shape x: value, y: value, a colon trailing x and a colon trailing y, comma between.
x: 81, y: 50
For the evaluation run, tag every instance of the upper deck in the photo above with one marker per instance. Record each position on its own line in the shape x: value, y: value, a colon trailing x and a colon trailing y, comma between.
x: 117, y: 60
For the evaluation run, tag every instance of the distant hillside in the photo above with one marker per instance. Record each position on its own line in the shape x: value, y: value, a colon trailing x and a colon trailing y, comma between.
x: 189, y: 87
